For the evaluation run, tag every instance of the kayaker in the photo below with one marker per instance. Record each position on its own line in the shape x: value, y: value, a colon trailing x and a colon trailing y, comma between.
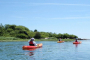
x: 76, y: 40
x: 32, y: 42
x: 60, y: 39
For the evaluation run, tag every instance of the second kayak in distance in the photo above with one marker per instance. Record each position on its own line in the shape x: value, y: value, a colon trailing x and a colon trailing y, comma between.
x: 60, y: 41
x: 77, y: 42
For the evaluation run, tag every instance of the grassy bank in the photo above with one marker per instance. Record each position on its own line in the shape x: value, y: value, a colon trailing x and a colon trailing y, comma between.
x: 54, y: 40
x: 10, y: 39
x: 5, y: 39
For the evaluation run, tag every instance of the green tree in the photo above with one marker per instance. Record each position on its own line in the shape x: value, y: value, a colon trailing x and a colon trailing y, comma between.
x: 37, y: 35
x: 35, y: 30
x: 66, y: 35
x: 22, y: 36
x: 9, y: 30
x: 50, y: 34
x: 2, y: 30
x: 54, y: 35
x: 44, y: 34
x: 25, y: 32
x: 59, y: 35
x: 12, y: 27
x: 6, y: 26
x: 31, y: 34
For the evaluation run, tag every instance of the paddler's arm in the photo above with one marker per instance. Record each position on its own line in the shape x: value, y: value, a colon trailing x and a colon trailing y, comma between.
x: 34, y: 43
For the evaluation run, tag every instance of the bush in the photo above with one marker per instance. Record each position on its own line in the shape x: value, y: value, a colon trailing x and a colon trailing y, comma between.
x: 9, y: 38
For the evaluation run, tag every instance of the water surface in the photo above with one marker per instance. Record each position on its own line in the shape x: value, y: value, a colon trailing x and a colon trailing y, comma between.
x: 51, y: 50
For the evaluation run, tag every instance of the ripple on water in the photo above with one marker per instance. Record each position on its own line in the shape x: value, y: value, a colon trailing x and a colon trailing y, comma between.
x: 51, y: 50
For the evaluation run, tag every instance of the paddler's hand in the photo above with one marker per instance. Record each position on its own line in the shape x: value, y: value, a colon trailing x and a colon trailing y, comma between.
x: 37, y: 45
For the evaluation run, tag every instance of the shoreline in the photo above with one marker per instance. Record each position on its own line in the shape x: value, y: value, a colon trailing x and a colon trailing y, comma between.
x: 17, y: 40
x: 66, y: 40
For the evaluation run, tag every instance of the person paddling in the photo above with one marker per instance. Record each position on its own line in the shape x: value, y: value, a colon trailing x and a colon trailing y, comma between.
x: 60, y: 39
x: 76, y: 40
x: 32, y: 42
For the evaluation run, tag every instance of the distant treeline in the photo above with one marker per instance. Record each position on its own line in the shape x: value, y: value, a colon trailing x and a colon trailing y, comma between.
x: 23, y: 32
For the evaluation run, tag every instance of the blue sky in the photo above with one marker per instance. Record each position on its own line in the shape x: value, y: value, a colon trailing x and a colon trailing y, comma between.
x: 56, y: 16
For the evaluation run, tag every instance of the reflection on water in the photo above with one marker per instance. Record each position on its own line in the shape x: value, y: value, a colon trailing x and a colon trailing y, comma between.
x: 29, y: 53
x: 33, y: 53
x: 76, y: 45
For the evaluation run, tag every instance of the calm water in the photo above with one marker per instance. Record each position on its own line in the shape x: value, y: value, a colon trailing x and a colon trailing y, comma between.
x: 51, y: 50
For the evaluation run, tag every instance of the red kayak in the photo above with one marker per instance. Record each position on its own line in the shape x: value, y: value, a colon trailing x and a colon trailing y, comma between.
x: 29, y: 49
x: 32, y: 47
x: 77, y: 42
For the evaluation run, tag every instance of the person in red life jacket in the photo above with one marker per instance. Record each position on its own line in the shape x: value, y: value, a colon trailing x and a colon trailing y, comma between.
x: 76, y: 40
x: 32, y: 42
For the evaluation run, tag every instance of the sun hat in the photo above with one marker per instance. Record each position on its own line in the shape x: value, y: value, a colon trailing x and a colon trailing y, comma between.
x: 32, y: 39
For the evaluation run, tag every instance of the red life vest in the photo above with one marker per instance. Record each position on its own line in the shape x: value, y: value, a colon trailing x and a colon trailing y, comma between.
x: 31, y: 43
